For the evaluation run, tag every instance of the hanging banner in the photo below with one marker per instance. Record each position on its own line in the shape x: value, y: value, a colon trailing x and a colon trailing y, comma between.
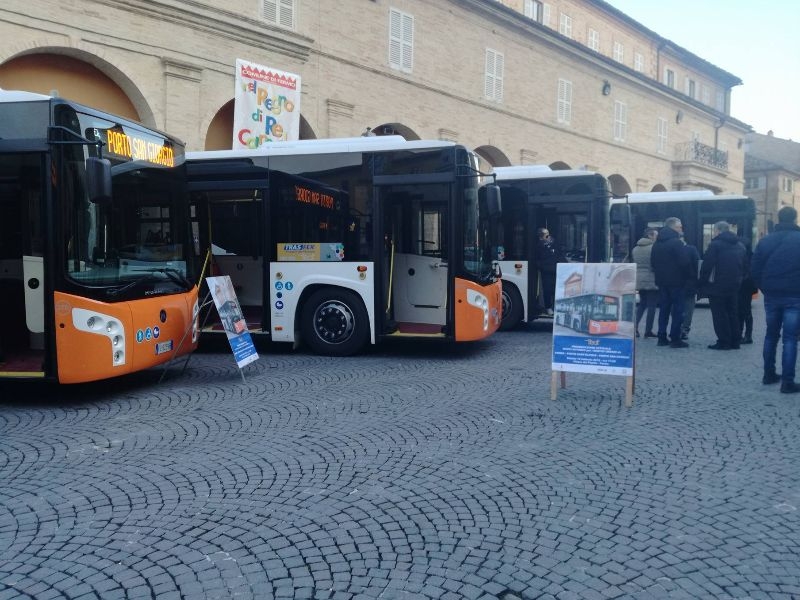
x: 266, y: 106
x: 593, y: 321
x: 232, y: 319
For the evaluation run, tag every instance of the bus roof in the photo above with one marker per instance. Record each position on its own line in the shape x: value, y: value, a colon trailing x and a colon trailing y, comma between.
x: 324, y: 146
x: 536, y: 172
x: 683, y: 196
x: 21, y: 96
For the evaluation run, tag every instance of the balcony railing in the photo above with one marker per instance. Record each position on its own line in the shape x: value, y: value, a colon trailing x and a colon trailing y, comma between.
x: 697, y: 152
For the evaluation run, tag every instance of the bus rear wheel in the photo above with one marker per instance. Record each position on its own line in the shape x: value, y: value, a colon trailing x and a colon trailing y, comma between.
x: 334, y: 323
x: 512, y: 307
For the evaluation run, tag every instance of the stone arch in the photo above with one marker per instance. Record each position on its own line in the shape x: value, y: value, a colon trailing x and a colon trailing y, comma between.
x: 559, y: 165
x: 78, y: 75
x: 396, y: 129
x: 658, y: 188
x: 493, y: 155
x: 218, y: 134
x: 619, y: 185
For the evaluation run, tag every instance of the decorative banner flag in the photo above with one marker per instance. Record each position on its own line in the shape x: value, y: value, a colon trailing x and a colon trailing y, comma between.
x: 266, y: 106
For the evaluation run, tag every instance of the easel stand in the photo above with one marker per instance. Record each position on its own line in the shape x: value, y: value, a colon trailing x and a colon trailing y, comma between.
x: 207, y: 301
x: 556, y: 376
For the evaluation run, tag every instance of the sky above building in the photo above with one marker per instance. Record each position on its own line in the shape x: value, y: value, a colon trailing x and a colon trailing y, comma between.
x: 757, y: 42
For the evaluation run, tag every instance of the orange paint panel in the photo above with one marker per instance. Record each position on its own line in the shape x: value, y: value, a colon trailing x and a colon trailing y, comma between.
x: 469, y: 318
x: 86, y: 330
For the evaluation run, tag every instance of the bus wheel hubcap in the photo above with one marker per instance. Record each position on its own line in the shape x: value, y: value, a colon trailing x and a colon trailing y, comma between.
x: 334, y: 322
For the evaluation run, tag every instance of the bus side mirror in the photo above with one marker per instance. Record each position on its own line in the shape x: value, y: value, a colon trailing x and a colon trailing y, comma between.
x: 98, y: 179
x: 493, y: 202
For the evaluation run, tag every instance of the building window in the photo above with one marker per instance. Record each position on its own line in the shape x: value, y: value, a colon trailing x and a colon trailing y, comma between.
x: 564, y: 105
x: 401, y: 41
x: 661, y: 146
x: 787, y: 184
x: 638, y: 62
x: 546, y: 14
x: 565, y: 25
x: 706, y: 94
x: 691, y: 88
x: 669, y: 78
x: 533, y: 10
x: 721, y: 101
x: 493, y: 81
x: 593, y: 40
x: 279, y: 12
x: 754, y: 183
x: 620, y: 121
x: 619, y: 52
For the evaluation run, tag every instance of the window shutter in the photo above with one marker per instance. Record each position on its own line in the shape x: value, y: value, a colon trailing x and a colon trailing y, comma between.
x: 395, y: 38
x: 271, y: 10
x: 408, y: 43
x: 498, y: 77
x: 488, y: 84
x: 286, y: 13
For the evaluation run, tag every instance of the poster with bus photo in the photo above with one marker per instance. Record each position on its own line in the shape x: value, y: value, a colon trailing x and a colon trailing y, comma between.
x: 593, y: 321
x: 266, y: 106
x: 232, y: 319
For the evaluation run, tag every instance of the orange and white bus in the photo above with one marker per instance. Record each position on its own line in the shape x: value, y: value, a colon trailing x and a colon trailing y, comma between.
x: 95, y: 246
x: 595, y: 314
x: 345, y: 242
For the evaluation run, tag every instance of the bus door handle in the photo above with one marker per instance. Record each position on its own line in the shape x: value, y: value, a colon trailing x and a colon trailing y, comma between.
x: 438, y: 265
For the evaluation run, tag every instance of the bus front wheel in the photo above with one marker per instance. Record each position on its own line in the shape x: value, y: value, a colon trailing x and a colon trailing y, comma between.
x: 512, y: 307
x: 335, y: 323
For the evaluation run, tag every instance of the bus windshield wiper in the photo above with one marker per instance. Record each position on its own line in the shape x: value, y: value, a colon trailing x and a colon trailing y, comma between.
x: 174, y: 275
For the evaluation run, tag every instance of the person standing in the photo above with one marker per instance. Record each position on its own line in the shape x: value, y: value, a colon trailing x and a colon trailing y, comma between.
x: 670, y: 263
x: 646, y: 281
x: 547, y: 259
x: 746, y: 291
x: 720, y: 279
x: 690, y: 298
x: 775, y: 269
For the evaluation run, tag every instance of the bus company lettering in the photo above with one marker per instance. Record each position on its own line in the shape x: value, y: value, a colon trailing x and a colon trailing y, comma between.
x: 138, y: 148
x: 308, y: 196
x: 298, y: 247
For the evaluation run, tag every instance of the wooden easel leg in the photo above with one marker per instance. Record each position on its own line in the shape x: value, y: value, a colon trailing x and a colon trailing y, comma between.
x: 629, y: 391
x: 553, y: 385
x: 563, y: 379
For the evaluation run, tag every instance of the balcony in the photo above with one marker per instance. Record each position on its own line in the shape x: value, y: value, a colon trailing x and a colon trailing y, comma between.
x: 700, y: 153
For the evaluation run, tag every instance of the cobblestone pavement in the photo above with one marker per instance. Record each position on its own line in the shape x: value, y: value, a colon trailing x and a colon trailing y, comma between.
x: 415, y: 471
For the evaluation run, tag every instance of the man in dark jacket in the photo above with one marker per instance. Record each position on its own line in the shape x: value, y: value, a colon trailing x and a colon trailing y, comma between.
x: 670, y: 263
x: 720, y: 278
x: 775, y: 269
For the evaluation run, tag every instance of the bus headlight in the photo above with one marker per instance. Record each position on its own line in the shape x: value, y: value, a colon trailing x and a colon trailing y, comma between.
x: 481, y: 302
x: 99, y: 324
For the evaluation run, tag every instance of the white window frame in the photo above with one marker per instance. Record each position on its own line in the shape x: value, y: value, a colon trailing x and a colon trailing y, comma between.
x: 593, y: 39
x: 705, y: 92
x: 691, y: 87
x: 620, y: 121
x: 546, y: 14
x: 565, y: 25
x: 401, y: 40
x: 619, y: 52
x: 533, y: 10
x: 669, y: 77
x: 280, y: 12
x: 661, y: 133
x: 787, y: 185
x: 638, y: 62
x: 720, y: 101
x: 564, y: 102
x: 493, y: 75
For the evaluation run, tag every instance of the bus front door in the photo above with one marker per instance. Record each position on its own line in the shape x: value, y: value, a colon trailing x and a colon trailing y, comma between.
x: 415, y: 226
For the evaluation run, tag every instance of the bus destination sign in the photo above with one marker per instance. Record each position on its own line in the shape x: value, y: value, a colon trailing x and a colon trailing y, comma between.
x: 133, y: 145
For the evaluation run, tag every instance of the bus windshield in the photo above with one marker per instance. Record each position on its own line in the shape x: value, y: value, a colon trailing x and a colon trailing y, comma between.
x: 478, y: 242
x: 139, y: 236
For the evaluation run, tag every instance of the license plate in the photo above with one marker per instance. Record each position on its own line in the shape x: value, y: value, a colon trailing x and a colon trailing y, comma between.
x: 163, y: 347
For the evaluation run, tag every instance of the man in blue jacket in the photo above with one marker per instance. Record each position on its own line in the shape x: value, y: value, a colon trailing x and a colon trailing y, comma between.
x: 775, y: 269
x: 670, y: 262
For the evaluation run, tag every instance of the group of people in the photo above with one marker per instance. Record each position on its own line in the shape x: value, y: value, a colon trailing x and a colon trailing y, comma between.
x: 729, y: 274
x: 668, y: 279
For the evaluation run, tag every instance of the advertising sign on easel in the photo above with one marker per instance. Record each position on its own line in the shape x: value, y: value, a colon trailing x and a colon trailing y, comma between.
x: 232, y: 319
x: 593, y: 322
